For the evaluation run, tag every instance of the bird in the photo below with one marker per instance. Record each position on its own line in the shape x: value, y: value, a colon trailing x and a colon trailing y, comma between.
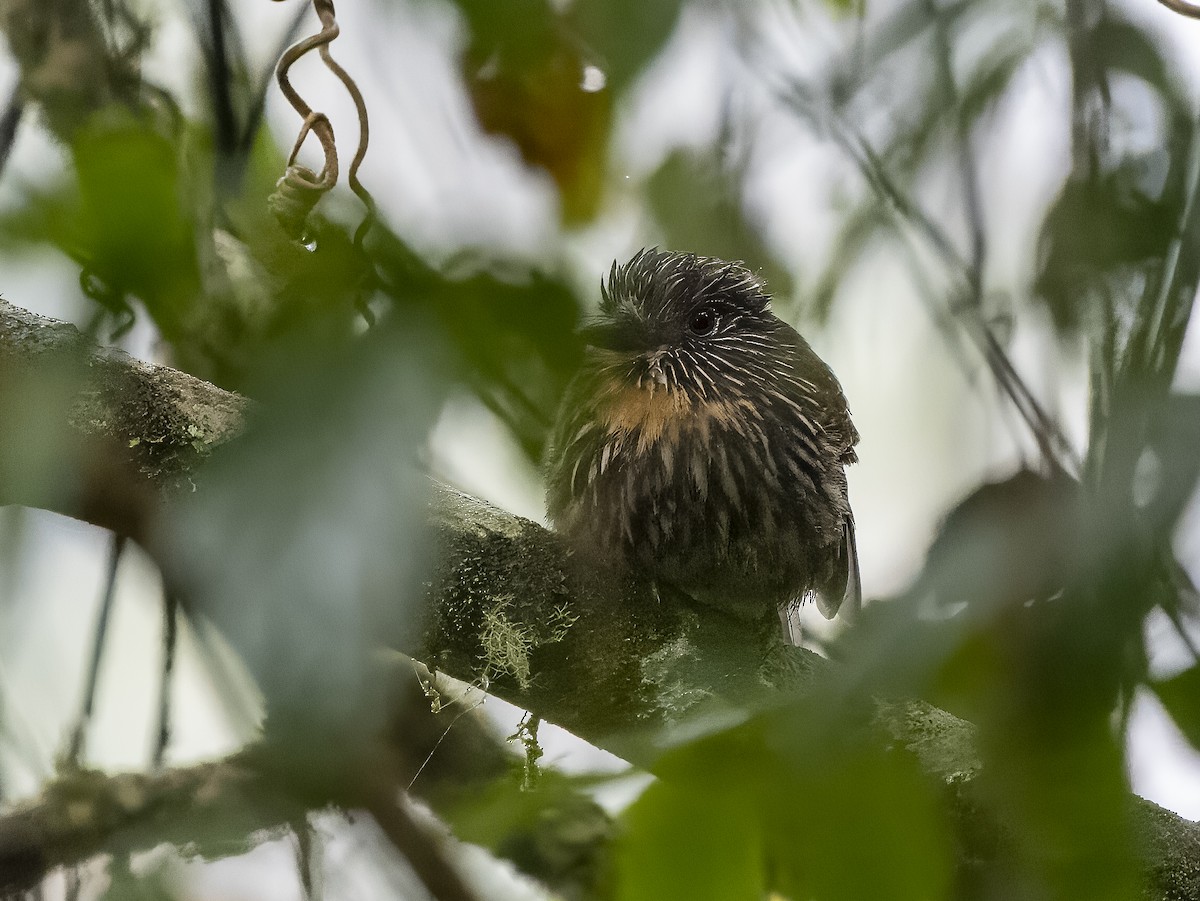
x: 702, y: 445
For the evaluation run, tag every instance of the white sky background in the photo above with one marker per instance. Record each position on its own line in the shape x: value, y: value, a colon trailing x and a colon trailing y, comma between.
x: 928, y: 434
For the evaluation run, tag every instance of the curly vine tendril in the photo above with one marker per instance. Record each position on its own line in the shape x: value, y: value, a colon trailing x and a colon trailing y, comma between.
x: 298, y: 191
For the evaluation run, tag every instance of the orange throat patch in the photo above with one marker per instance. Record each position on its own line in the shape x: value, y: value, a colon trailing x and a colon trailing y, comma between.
x: 652, y: 411
x: 646, y: 411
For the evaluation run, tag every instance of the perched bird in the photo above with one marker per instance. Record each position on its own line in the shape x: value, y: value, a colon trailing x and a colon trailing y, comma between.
x: 703, y: 444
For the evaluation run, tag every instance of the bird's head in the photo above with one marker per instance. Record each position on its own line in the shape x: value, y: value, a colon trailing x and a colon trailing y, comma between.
x: 686, y: 323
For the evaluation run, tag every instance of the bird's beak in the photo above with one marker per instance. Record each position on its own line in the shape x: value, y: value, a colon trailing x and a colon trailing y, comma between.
x: 608, y: 334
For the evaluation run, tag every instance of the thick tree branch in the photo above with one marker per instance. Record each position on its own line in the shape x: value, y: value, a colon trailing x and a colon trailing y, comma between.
x: 86, y: 813
x: 112, y: 435
x: 612, y: 662
x: 226, y: 807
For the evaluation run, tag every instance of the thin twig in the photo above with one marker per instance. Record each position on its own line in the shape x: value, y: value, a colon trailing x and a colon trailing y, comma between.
x: 1182, y: 7
x: 437, y: 744
x: 262, y: 84
x: 74, y: 883
x: 1172, y: 305
x: 14, y: 109
x: 83, y: 721
x: 317, y: 123
x: 418, y: 847
x: 966, y: 156
x: 1004, y: 373
x: 220, y: 30
x: 309, y: 859
x: 364, y: 132
x: 527, y: 735
x: 1052, y: 442
x: 170, y: 643
x: 219, y: 76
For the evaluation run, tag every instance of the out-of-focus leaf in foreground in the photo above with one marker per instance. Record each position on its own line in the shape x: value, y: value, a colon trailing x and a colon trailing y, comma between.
x: 682, y: 843
x: 555, y: 832
x: 1027, y: 622
x: 1118, y: 211
x: 532, y: 80
x: 513, y: 334
x: 128, y: 219
x: 697, y: 202
x: 548, y: 81
x: 1181, y: 696
x: 305, y: 541
x: 625, y: 33
x: 135, y: 222
x: 805, y: 801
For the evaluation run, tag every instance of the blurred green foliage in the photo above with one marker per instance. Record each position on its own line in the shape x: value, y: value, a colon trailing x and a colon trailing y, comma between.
x: 696, y: 200
x: 310, y: 524
x: 1029, y: 616
x: 793, y: 802
x: 547, y: 79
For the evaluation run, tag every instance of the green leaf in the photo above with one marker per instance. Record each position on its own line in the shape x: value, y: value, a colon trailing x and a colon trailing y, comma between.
x: 306, y: 541
x: 1125, y: 47
x: 556, y: 832
x: 626, y: 34
x: 689, y: 842
x: 136, y: 221
x: 863, y: 825
x: 1096, y: 229
x: 697, y: 202
x: 1180, y: 695
x: 513, y: 333
x: 792, y: 793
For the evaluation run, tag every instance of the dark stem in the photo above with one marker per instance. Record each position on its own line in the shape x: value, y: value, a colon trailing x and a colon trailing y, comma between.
x: 170, y: 641
x: 224, y: 118
x: 10, y: 121
x: 79, y: 734
x: 967, y: 166
x: 308, y: 859
x: 1052, y: 442
x: 74, y: 884
x: 420, y: 849
x: 1089, y: 88
x: 263, y: 83
x: 1182, y: 7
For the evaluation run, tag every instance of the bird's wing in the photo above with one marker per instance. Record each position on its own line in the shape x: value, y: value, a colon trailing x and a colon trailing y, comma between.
x: 844, y: 591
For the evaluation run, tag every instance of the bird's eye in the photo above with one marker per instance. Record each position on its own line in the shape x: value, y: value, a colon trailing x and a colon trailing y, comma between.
x: 703, y: 322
